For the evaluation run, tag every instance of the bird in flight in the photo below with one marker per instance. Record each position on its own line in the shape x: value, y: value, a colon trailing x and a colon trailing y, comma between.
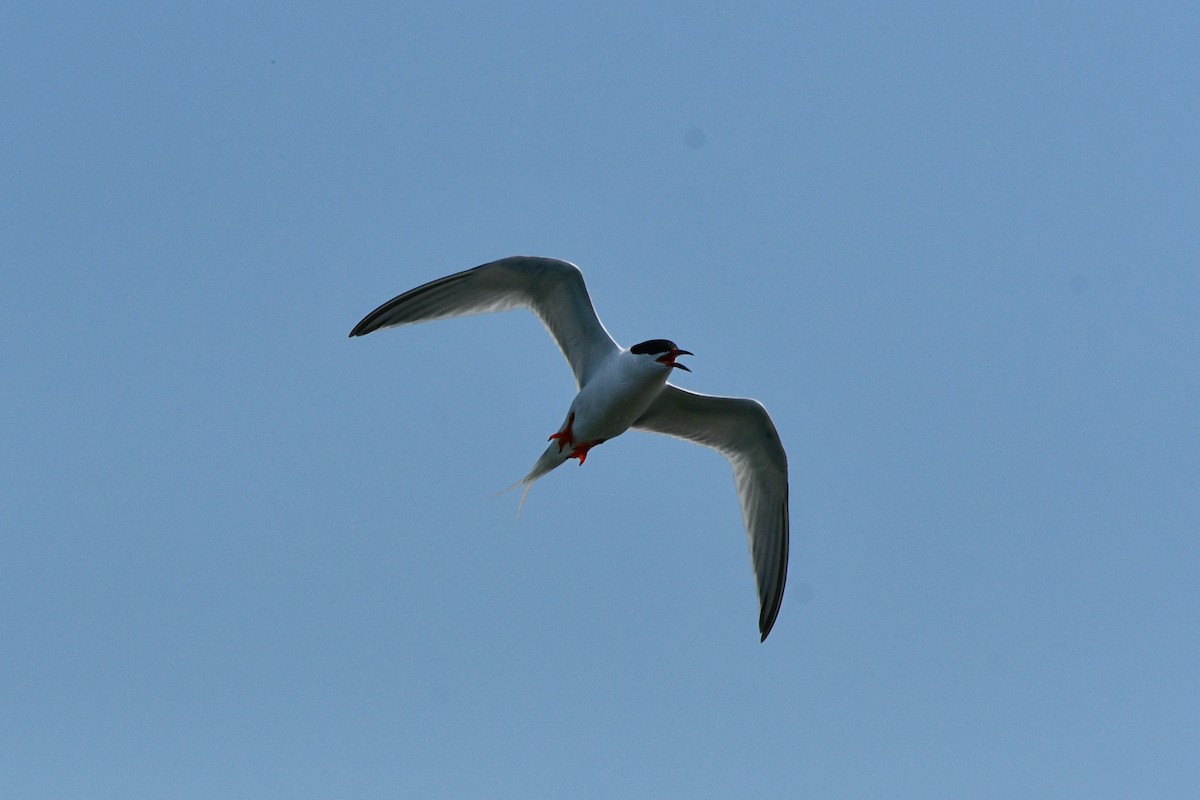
x: 621, y: 389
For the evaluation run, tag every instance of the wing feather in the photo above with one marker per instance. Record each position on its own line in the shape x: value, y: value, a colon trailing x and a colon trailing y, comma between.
x: 742, y: 431
x: 553, y: 290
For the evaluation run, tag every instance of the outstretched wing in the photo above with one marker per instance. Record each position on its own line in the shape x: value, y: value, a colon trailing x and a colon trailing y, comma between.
x: 742, y: 431
x: 552, y: 289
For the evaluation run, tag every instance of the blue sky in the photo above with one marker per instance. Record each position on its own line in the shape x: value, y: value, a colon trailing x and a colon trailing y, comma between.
x: 954, y: 250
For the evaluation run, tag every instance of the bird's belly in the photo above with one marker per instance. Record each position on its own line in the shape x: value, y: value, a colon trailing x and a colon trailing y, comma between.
x: 607, y: 410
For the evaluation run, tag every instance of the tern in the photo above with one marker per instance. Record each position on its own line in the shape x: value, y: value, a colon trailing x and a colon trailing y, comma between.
x: 621, y: 389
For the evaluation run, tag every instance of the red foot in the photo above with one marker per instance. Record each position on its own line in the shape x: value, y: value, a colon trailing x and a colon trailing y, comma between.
x: 565, y: 436
x: 581, y: 451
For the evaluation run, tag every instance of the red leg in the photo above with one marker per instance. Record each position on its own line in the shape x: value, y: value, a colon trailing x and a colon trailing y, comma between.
x: 565, y: 436
x: 581, y: 451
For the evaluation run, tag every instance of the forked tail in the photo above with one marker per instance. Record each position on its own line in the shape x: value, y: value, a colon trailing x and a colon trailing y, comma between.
x: 551, y: 458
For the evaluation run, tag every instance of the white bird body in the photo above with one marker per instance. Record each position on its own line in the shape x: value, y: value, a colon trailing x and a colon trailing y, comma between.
x: 621, y: 389
x: 617, y: 393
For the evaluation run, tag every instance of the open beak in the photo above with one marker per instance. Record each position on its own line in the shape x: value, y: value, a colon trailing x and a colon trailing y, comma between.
x: 669, y: 357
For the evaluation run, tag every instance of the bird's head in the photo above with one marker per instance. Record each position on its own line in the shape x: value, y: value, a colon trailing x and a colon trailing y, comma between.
x: 664, y: 351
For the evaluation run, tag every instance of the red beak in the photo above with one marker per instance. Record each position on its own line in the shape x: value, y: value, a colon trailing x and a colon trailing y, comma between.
x: 669, y: 357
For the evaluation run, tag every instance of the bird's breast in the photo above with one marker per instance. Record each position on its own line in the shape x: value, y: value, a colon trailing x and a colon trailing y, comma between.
x: 608, y: 404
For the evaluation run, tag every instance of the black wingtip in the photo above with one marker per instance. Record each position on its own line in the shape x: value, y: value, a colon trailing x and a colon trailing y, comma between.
x: 766, y: 622
x: 363, y: 328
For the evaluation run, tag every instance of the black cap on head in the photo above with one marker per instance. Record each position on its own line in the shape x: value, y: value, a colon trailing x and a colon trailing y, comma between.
x: 653, y: 347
